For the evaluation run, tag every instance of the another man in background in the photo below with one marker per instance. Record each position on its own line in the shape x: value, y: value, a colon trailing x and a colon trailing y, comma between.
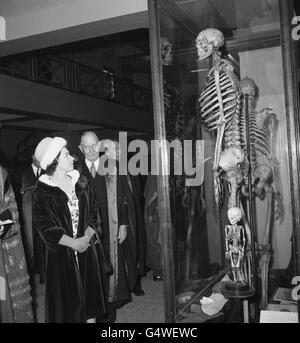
x: 113, y: 149
x: 118, y: 237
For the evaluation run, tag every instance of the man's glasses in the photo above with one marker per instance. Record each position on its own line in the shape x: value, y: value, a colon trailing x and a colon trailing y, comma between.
x: 94, y: 147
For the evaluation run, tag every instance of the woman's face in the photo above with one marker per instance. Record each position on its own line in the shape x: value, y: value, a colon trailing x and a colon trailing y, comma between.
x: 65, y: 161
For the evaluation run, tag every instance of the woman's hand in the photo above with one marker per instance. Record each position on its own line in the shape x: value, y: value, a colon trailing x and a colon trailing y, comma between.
x: 81, y: 244
x: 122, y: 233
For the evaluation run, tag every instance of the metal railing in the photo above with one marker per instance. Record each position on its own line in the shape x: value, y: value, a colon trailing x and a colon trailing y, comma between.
x: 60, y: 72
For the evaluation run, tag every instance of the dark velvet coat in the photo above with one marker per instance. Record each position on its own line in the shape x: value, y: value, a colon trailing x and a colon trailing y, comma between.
x: 71, y: 294
x: 127, y: 261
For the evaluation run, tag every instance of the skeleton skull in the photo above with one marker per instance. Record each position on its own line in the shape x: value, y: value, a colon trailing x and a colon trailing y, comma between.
x: 234, y: 215
x: 166, y: 49
x: 230, y: 158
x: 248, y: 87
x: 208, y: 40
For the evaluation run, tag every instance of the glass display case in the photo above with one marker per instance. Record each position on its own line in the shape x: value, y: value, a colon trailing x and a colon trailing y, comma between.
x: 225, y: 104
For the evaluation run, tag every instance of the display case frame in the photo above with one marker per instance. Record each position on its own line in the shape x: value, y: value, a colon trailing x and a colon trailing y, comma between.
x: 282, y: 37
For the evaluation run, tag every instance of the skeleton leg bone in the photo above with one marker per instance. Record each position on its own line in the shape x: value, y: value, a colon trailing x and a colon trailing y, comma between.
x: 218, y: 148
x: 266, y: 248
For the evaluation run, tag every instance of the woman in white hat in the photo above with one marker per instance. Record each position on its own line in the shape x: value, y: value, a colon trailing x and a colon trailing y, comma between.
x: 66, y: 217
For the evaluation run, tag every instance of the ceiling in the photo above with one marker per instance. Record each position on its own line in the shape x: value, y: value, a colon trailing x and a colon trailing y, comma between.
x: 17, y: 7
x: 230, y: 15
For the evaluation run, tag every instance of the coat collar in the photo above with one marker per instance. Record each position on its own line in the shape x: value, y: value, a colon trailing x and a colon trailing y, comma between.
x: 46, y: 184
x: 74, y: 174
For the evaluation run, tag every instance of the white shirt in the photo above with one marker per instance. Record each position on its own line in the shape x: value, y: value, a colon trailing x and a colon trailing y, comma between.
x: 89, y: 164
x: 35, y: 170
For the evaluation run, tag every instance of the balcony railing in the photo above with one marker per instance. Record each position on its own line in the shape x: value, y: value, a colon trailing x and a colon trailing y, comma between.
x: 60, y: 72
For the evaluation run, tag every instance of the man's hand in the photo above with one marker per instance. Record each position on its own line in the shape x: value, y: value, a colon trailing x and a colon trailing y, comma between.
x: 1, y: 229
x: 122, y: 233
x: 81, y: 244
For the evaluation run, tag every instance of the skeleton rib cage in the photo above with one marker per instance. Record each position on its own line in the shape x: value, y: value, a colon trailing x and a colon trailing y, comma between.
x: 210, y: 107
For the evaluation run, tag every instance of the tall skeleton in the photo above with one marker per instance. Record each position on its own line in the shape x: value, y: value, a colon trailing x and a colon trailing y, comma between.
x: 220, y: 107
x: 264, y: 170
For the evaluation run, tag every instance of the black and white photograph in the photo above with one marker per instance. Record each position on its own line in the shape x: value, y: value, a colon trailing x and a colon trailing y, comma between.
x: 149, y: 165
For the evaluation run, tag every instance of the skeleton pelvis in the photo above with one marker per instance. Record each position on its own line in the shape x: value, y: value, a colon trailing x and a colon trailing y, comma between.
x: 230, y: 158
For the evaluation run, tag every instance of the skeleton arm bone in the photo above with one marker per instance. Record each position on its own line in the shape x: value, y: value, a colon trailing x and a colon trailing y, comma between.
x: 222, y: 121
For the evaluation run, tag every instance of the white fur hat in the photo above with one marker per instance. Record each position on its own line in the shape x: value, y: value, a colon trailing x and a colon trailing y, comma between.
x: 47, y: 149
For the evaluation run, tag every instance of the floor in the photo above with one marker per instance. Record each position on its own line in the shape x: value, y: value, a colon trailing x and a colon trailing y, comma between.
x: 143, y: 309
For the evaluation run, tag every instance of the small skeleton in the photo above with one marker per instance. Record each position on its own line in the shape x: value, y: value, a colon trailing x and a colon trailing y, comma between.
x: 220, y: 107
x: 264, y: 169
x: 235, y: 245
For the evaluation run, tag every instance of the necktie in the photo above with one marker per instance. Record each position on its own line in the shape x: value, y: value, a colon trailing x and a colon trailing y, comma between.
x: 38, y: 172
x: 93, y: 170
